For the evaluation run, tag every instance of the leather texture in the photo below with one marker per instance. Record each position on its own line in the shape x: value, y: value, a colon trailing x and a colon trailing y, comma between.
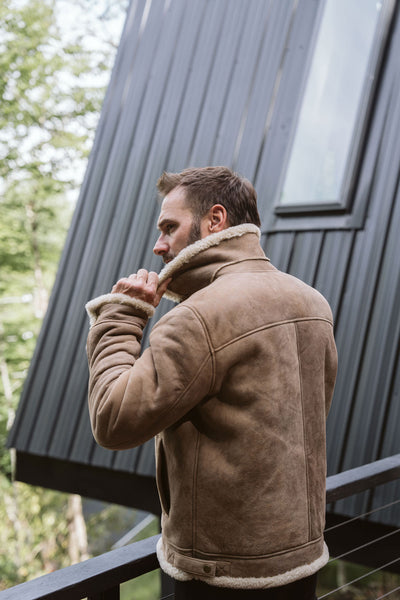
x: 236, y: 386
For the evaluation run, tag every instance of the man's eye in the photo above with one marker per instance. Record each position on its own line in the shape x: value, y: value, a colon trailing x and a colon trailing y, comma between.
x: 169, y: 228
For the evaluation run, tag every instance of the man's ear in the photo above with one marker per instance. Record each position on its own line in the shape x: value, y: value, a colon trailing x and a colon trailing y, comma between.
x: 216, y: 219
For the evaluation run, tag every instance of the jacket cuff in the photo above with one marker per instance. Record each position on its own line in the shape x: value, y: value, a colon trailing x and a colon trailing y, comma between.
x: 93, y: 306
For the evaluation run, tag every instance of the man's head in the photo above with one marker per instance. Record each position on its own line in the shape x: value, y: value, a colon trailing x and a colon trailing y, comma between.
x: 201, y: 201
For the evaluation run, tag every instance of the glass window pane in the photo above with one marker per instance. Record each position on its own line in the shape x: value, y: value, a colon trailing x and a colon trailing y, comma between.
x: 331, y: 101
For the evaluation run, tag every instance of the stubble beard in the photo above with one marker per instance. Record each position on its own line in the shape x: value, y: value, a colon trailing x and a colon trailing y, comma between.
x: 194, y: 236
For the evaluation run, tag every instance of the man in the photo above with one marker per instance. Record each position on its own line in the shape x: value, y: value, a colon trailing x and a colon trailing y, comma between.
x: 235, y: 385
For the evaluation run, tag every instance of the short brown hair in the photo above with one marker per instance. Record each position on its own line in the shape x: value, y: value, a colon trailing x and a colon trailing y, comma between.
x: 206, y: 186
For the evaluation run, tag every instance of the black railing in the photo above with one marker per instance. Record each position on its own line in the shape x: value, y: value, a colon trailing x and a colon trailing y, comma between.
x: 99, y: 578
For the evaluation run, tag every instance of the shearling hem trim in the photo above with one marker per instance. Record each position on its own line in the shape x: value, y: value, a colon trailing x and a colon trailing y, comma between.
x: 169, y: 569
x: 93, y: 306
x: 189, y: 252
x: 245, y: 583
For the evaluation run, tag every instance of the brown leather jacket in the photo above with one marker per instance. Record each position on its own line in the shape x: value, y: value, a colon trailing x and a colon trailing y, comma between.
x: 236, y: 385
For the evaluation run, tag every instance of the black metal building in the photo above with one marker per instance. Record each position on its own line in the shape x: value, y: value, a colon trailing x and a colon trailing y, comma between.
x: 229, y: 82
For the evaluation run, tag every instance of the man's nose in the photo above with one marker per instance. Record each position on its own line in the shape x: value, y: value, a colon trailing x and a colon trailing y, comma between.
x: 160, y: 247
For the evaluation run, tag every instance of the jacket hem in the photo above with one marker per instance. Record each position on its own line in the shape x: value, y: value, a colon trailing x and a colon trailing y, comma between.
x: 245, y: 582
x: 93, y: 306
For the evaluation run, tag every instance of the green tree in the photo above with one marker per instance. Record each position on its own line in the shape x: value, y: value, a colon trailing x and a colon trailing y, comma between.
x: 52, y: 83
x: 48, y: 110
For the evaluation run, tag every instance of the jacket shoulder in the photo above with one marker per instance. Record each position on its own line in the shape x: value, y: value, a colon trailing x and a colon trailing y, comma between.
x: 267, y: 295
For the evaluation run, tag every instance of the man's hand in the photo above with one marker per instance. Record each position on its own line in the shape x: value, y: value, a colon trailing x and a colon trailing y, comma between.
x: 142, y: 285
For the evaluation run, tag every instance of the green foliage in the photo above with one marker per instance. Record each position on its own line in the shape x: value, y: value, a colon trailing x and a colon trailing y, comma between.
x: 50, y: 97
x: 106, y: 525
x: 145, y: 587
x: 44, y: 107
x: 52, y: 84
x: 39, y: 540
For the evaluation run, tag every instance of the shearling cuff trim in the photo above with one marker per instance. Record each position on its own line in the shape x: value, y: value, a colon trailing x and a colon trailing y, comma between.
x: 189, y: 252
x: 245, y: 583
x: 93, y: 306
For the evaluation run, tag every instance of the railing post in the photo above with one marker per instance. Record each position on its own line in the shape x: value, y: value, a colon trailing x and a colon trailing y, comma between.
x: 167, y: 586
x: 111, y: 594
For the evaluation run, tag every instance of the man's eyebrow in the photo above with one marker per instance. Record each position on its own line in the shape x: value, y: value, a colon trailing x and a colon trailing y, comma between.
x: 165, y: 221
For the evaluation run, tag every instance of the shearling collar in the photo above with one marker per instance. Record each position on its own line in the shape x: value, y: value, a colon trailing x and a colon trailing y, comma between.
x: 197, y: 265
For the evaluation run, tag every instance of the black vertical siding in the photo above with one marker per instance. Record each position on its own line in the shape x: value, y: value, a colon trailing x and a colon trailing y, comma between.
x: 368, y: 318
x: 208, y: 82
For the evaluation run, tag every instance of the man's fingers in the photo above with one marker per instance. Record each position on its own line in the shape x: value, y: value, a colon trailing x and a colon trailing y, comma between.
x: 142, y: 274
x: 162, y: 288
x: 152, y: 276
x: 126, y: 285
x: 152, y: 282
x: 142, y: 285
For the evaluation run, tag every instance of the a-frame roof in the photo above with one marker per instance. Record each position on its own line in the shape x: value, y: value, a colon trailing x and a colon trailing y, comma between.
x: 198, y: 83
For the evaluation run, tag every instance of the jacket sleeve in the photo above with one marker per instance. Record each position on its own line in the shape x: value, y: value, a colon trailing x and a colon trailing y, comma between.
x: 133, y: 397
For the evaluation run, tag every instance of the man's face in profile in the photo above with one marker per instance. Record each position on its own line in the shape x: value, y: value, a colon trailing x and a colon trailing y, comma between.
x: 178, y: 226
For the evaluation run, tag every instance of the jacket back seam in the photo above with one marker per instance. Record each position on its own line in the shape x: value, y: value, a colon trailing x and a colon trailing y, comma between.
x: 270, y: 326
x: 209, y: 344
x: 236, y: 262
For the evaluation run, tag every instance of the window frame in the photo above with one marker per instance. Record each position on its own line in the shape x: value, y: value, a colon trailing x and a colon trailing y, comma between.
x: 349, y: 211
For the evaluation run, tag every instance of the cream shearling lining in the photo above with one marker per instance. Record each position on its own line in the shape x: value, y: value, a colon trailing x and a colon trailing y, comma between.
x: 189, y: 252
x: 245, y: 583
x: 93, y: 306
x: 184, y: 256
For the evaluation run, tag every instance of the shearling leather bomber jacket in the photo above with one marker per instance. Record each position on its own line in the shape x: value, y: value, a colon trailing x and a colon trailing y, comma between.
x: 235, y: 385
